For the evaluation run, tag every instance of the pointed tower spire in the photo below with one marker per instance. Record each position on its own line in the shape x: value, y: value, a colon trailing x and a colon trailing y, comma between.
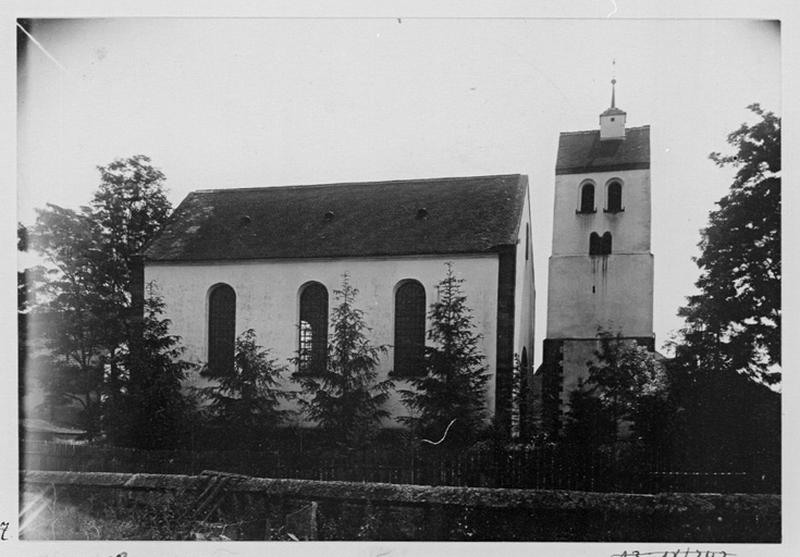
x: 612, y: 120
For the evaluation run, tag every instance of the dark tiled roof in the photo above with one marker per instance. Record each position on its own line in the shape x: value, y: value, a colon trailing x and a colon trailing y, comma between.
x: 580, y: 152
x: 407, y: 217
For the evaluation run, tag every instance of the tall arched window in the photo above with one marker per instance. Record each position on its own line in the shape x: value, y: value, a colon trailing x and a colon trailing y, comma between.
x: 614, y: 201
x: 587, y: 198
x: 409, y: 328
x: 313, y: 334
x: 221, y: 328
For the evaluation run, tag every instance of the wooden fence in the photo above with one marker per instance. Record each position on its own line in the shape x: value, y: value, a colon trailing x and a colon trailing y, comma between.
x: 540, y: 468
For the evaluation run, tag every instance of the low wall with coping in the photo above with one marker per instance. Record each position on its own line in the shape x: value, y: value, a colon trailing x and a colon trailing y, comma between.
x: 350, y: 510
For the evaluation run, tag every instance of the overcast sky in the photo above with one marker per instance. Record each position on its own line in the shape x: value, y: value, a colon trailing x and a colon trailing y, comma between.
x: 255, y: 102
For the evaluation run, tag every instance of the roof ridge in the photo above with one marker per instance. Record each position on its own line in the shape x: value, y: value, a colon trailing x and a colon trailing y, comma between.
x: 373, y: 183
x: 597, y: 130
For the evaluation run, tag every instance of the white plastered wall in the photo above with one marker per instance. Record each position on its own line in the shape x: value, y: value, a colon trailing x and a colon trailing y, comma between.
x: 267, y: 300
x: 615, y: 292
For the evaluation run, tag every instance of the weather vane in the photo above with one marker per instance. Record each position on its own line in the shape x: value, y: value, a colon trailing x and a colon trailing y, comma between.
x: 613, y: 80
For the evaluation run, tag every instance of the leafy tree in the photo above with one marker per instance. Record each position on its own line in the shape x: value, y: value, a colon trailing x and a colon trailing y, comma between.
x: 344, y: 397
x: 624, y: 398
x: 245, y: 400
x: 453, y: 385
x: 728, y: 353
x: 85, y: 309
x: 626, y: 379
x: 734, y: 322
x: 152, y: 411
x: 589, y: 425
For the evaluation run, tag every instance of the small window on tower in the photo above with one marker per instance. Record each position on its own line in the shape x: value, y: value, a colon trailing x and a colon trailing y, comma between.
x: 600, y: 245
x: 587, y: 198
x: 614, y: 198
x: 605, y: 244
x: 594, y: 243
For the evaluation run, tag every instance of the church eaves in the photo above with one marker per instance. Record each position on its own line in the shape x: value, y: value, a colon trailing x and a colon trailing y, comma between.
x: 583, y: 151
x: 476, y: 214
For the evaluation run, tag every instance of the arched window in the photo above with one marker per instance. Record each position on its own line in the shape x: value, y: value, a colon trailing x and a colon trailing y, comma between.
x: 221, y: 328
x: 313, y: 334
x: 594, y: 243
x: 409, y: 328
x: 587, y: 198
x: 605, y: 244
x: 614, y: 200
x: 600, y: 245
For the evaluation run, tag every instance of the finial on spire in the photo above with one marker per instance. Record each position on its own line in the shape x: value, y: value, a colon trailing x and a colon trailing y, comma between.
x: 613, y: 82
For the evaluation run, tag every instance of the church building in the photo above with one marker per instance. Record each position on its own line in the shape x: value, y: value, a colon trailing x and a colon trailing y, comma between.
x: 601, y: 267
x: 271, y: 258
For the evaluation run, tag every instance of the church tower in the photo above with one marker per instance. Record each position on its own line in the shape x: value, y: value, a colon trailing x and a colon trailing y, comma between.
x: 601, y: 267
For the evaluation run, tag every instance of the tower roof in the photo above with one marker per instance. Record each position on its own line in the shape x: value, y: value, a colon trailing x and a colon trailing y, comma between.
x: 583, y: 151
x: 407, y: 217
x: 612, y: 110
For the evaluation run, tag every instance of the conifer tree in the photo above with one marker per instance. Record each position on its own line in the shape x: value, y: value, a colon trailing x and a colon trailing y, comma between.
x: 453, y: 385
x: 343, y: 396
x: 152, y: 411
x: 244, y: 401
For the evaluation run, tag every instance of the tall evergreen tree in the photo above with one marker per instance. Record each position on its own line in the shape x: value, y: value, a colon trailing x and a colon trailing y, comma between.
x: 453, y: 385
x: 151, y: 410
x: 344, y: 397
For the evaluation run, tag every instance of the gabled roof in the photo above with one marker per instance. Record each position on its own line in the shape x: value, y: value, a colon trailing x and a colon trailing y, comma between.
x: 580, y: 152
x: 405, y: 217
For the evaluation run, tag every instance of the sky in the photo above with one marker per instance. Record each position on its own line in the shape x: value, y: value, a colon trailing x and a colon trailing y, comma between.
x: 242, y: 102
